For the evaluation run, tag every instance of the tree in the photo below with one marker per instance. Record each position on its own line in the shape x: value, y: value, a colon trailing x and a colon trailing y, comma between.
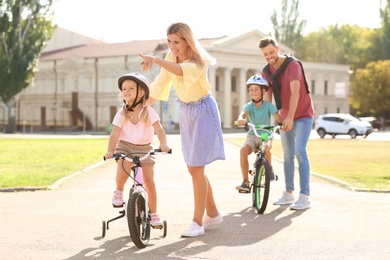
x: 25, y: 27
x: 290, y: 29
x: 371, y: 89
x: 346, y: 44
x: 385, y: 17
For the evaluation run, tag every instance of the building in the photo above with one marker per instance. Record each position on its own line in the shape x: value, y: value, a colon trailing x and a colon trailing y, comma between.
x: 76, y: 85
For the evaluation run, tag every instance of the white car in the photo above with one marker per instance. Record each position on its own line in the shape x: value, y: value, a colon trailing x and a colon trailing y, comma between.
x: 341, y: 124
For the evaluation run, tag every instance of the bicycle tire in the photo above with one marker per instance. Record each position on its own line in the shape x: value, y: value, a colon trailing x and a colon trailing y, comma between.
x: 138, y: 220
x: 261, y: 185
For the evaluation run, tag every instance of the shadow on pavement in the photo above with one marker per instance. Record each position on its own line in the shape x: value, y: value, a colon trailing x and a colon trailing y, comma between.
x: 238, y: 229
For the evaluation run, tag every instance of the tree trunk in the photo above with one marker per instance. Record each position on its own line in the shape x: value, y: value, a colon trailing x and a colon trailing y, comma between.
x: 11, y: 127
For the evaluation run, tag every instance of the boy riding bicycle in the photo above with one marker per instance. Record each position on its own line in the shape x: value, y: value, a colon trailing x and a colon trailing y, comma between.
x: 258, y: 111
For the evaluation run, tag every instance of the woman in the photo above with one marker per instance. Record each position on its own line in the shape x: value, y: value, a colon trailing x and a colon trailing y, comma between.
x: 185, y: 67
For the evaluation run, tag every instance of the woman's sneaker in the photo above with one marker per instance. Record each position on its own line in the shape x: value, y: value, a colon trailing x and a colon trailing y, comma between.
x: 155, y: 221
x: 209, y: 222
x: 244, y: 187
x: 117, y: 200
x: 193, y: 230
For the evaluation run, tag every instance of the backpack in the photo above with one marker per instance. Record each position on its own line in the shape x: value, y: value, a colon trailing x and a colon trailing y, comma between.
x: 274, y: 77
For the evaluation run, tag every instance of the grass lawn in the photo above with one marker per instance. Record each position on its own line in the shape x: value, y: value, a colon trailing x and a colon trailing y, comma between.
x: 41, y: 162
x: 362, y: 164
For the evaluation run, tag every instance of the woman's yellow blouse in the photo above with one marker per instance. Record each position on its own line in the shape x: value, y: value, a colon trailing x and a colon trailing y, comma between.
x: 192, y: 86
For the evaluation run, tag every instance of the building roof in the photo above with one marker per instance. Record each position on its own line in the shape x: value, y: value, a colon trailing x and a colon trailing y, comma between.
x: 102, y: 49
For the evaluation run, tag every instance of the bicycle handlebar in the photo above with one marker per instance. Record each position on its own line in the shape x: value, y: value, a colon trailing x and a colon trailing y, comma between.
x: 130, y: 158
x: 270, y: 129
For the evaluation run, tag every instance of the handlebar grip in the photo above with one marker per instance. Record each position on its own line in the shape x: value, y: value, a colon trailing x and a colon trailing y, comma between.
x: 160, y: 151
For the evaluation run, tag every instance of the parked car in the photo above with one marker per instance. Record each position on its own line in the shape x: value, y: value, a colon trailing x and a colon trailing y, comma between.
x: 375, y: 122
x: 341, y: 124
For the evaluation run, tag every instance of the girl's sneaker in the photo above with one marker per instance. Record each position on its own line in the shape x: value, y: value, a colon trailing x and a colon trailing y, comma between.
x: 117, y: 199
x: 155, y: 220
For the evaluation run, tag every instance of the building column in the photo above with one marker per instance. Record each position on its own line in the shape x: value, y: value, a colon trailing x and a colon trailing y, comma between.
x: 227, y: 98
x: 243, y: 89
x: 211, y: 76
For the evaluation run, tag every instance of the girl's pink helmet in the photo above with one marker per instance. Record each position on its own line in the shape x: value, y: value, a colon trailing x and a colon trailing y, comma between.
x: 140, y: 79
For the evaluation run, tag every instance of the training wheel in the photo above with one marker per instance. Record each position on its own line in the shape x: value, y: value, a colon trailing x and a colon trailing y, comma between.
x: 165, y: 229
x: 104, y: 228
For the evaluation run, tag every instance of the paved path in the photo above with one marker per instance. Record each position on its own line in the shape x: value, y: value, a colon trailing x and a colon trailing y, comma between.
x: 66, y: 223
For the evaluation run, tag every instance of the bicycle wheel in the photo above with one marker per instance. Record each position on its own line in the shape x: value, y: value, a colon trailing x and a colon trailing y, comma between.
x: 137, y: 220
x: 261, y: 185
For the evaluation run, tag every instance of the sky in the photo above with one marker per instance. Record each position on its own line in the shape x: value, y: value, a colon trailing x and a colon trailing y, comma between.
x: 127, y: 20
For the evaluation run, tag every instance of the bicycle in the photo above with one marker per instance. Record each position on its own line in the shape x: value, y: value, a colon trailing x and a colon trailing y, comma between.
x: 137, y: 209
x: 260, y: 176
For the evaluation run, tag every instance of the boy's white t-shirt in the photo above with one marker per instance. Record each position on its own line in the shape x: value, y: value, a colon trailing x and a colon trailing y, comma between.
x: 138, y: 133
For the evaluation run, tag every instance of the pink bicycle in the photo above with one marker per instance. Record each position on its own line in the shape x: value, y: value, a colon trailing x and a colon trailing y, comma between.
x: 137, y: 208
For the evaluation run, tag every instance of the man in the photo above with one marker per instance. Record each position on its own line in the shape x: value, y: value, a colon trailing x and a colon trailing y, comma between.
x: 288, y: 85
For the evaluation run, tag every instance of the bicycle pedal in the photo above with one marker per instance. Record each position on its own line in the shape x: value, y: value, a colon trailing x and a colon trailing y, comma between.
x: 118, y: 206
x: 157, y: 226
x: 243, y: 191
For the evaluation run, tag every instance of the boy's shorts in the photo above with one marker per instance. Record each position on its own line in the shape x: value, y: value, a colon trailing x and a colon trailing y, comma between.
x: 252, y: 141
x: 129, y: 148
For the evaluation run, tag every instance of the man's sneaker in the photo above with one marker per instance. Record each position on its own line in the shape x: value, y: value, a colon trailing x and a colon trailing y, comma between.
x: 193, y: 230
x: 302, y: 203
x: 117, y: 200
x: 286, y: 199
x: 209, y: 222
x: 244, y: 187
x: 155, y: 220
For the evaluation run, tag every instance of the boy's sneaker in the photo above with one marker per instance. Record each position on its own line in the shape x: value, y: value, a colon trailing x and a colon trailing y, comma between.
x: 155, y: 220
x: 193, y: 230
x: 244, y: 187
x: 302, y: 203
x: 286, y: 199
x: 209, y: 222
x: 117, y: 200
x: 272, y: 177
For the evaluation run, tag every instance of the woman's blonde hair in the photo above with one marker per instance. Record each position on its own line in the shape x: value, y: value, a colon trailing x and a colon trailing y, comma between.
x: 196, y: 52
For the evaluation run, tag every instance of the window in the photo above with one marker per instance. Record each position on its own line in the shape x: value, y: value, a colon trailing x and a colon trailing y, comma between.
x: 233, y: 82
x: 313, y: 87
x: 326, y: 88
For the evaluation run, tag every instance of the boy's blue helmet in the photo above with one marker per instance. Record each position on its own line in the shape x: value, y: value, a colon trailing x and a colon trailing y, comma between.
x: 258, y: 80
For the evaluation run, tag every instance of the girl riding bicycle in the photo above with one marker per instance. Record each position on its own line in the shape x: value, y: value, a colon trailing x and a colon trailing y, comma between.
x: 133, y: 128
x: 258, y: 111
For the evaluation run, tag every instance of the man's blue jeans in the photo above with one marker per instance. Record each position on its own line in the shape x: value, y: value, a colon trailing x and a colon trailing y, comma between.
x: 294, y: 143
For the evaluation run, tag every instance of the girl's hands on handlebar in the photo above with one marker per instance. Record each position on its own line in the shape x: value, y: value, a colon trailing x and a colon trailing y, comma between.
x: 164, y: 148
x: 108, y: 155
